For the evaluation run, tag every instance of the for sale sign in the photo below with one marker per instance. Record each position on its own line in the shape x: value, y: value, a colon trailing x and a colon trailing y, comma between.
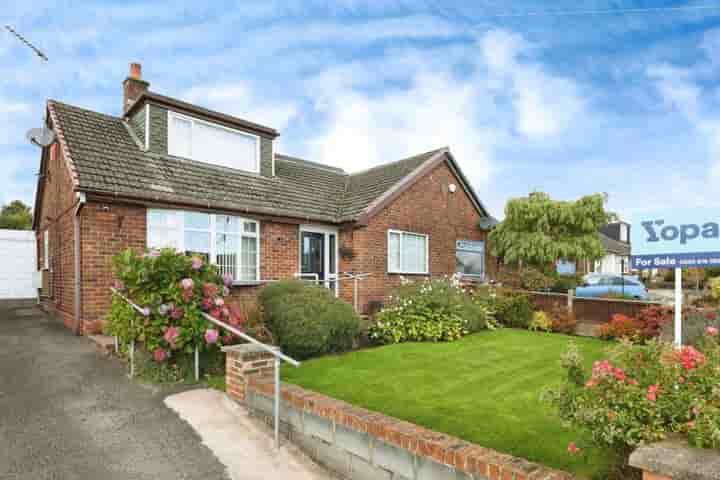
x: 676, y: 239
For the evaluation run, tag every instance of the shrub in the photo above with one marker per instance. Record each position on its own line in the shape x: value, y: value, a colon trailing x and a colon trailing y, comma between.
x: 696, y: 323
x: 715, y: 288
x: 435, y: 310
x: 535, y: 280
x: 308, y: 320
x: 562, y: 320
x: 541, y: 321
x: 642, y: 394
x: 646, y: 325
x: 172, y: 290
x: 563, y: 283
x: 513, y: 310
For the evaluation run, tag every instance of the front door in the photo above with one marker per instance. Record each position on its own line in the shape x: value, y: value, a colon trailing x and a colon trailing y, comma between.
x: 318, y: 257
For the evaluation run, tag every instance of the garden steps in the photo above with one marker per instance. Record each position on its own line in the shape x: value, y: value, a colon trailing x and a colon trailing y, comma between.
x: 104, y: 344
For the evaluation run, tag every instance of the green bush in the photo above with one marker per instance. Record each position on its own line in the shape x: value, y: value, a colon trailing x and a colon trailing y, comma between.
x: 308, y: 321
x: 513, y: 310
x: 436, y: 310
x: 535, y: 280
x: 172, y: 291
x: 642, y: 394
x: 563, y: 283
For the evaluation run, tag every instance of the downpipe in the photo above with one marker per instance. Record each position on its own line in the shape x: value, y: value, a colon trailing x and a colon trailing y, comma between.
x: 78, y: 294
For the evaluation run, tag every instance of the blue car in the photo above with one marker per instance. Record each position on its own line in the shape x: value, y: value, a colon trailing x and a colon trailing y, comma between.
x: 604, y: 284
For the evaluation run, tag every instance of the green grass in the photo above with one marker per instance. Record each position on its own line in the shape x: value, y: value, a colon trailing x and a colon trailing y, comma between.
x: 484, y: 388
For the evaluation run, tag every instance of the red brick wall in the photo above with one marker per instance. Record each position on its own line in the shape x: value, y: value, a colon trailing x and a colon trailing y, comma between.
x: 55, y: 214
x: 106, y: 230
x: 426, y: 207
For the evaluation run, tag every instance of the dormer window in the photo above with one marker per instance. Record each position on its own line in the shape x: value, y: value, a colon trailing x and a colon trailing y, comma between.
x: 207, y: 142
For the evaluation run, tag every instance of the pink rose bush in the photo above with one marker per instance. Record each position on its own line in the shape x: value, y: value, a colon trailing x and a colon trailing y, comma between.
x: 173, y: 292
x: 640, y: 394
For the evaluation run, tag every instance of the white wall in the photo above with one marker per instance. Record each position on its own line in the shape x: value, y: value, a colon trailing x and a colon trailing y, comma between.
x: 612, y: 263
x: 17, y: 264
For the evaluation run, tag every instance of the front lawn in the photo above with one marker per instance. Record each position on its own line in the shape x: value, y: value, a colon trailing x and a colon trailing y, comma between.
x: 484, y: 388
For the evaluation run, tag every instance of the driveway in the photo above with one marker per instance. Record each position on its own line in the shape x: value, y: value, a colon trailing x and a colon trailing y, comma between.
x: 67, y: 414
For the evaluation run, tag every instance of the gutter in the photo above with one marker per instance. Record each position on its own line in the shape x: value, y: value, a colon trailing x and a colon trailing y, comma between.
x: 78, y: 284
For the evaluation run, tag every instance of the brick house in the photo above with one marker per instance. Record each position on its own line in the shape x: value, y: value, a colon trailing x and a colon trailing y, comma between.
x: 160, y: 176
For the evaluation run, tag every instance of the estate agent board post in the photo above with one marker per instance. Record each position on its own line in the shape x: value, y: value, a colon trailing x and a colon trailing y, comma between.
x: 678, y: 239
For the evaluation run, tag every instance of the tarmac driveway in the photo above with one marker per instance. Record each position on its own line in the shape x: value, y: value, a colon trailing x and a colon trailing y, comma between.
x: 66, y: 413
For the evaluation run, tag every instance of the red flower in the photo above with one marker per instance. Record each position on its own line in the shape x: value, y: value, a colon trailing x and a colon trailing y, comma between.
x: 652, y: 392
x: 572, y: 448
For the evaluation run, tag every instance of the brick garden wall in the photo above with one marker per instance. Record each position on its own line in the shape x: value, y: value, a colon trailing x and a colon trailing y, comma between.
x: 361, y: 444
x: 426, y: 207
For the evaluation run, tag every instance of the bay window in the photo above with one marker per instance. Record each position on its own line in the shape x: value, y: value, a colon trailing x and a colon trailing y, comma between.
x: 407, y: 252
x: 231, y: 243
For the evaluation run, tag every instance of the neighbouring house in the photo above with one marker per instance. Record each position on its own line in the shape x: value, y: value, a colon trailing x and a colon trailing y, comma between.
x: 615, y: 237
x: 166, y: 173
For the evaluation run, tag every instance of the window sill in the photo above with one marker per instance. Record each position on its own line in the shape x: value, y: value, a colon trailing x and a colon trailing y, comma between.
x: 248, y: 283
x: 415, y: 274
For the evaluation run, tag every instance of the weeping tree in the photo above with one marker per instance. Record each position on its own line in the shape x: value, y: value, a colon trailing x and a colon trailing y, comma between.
x: 538, y: 230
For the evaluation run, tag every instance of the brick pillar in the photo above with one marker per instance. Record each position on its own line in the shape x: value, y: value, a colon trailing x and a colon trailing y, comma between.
x: 243, y: 362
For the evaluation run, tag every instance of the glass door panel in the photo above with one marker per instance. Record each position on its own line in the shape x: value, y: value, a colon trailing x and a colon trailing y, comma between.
x: 313, y: 256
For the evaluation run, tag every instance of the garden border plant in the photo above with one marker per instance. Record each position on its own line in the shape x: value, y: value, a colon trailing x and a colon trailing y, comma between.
x: 641, y: 394
x: 172, y: 290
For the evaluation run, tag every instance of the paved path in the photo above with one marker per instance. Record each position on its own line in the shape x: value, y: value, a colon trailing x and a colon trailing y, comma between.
x: 241, y: 442
x: 67, y: 414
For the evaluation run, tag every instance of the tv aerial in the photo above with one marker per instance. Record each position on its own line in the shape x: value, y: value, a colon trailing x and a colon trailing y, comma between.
x: 44, y: 136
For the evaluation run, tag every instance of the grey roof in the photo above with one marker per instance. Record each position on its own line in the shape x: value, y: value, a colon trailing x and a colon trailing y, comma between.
x: 613, y: 246
x: 108, y: 160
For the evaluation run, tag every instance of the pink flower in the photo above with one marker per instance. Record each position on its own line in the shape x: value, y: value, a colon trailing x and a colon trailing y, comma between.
x: 219, y: 302
x: 225, y: 312
x: 211, y: 336
x: 228, y: 279
x: 197, y: 263
x: 227, y: 338
x: 652, y: 392
x: 690, y: 358
x: 619, y: 374
x: 146, y: 312
x: 226, y: 291
x: 171, y: 336
x: 118, y: 285
x: 210, y: 290
x: 712, y: 331
x: 187, y: 283
x: 160, y: 355
x: 206, y: 304
x: 572, y: 448
x: 187, y: 295
x: 177, y: 313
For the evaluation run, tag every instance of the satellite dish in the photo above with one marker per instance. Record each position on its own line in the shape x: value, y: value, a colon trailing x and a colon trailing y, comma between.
x: 488, y: 223
x: 42, y: 137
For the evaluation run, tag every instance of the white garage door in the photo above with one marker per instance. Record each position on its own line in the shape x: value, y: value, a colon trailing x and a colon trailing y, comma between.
x: 17, y: 264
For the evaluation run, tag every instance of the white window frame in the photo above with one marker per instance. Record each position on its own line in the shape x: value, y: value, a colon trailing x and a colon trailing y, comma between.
x: 46, y: 249
x: 427, y: 252
x: 171, y: 139
x: 473, y: 276
x: 180, y: 237
x: 326, y: 232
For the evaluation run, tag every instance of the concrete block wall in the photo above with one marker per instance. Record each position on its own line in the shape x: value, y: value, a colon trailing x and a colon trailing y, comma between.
x: 673, y: 459
x: 360, y: 444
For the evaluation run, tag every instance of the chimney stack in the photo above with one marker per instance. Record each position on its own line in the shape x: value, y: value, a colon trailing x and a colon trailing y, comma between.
x: 133, y: 86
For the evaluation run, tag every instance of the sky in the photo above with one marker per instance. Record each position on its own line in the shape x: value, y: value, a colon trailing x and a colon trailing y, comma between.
x: 566, y: 97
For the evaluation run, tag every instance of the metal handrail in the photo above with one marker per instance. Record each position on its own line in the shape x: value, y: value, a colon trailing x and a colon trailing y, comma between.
x: 274, y: 351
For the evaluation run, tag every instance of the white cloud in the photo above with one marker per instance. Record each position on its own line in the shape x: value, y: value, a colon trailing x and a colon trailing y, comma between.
x: 238, y: 99
x: 430, y: 105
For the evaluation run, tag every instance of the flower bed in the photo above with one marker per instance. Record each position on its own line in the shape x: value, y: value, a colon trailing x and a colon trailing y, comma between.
x: 172, y: 290
x: 639, y: 395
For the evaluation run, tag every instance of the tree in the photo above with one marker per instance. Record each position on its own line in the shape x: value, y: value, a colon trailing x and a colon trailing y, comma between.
x: 16, y: 216
x: 538, y: 230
